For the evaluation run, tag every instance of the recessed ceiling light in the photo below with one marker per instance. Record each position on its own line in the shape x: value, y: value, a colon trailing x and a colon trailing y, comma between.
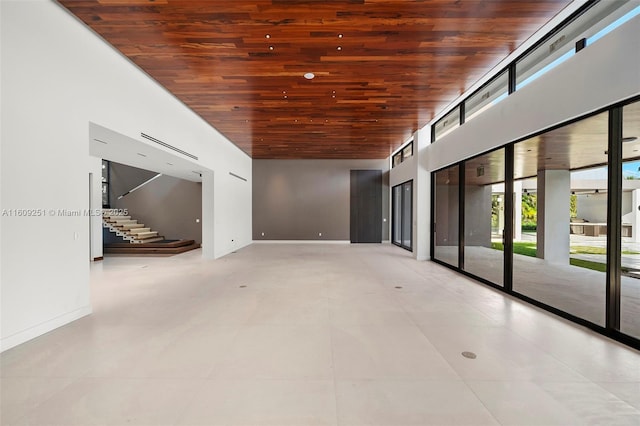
x: 285, y: 96
x: 339, y: 35
x: 309, y: 76
x: 267, y: 36
x: 339, y: 48
x: 271, y: 48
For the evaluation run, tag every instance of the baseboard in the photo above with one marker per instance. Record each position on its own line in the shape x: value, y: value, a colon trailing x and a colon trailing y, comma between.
x: 301, y: 242
x: 42, y: 328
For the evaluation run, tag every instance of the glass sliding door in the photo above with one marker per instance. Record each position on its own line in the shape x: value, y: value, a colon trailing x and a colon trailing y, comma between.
x: 484, y: 216
x: 402, y: 225
x: 630, y: 244
x: 396, y: 216
x: 407, y: 215
x: 560, y: 224
x: 445, y: 215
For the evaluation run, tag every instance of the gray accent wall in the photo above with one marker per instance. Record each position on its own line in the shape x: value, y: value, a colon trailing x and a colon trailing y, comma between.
x: 167, y: 204
x: 123, y: 178
x: 299, y: 199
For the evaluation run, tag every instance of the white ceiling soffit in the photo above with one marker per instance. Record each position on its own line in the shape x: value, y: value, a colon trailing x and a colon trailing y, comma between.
x: 113, y: 146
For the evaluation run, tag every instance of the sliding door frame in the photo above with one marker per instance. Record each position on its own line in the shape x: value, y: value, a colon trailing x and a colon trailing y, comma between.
x: 402, y: 215
x: 614, y: 225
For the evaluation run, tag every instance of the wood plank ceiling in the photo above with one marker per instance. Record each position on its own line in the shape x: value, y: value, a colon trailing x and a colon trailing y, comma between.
x: 383, y: 68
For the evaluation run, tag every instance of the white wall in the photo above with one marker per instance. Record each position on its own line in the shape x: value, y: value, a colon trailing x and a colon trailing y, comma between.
x: 415, y: 168
x: 57, y: 76
x: 600, y: 75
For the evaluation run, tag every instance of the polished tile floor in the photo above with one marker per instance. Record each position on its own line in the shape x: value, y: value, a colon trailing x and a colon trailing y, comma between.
x: 311, y: 334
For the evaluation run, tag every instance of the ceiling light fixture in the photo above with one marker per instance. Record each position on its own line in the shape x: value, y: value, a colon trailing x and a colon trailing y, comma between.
x: 267, y: 36
x: 309, y: 76
x: 339, y: 47
x: 339, y: 35
x: 271, y: 47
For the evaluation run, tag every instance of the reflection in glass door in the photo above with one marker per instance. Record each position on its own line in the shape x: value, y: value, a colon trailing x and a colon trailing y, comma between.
x: 396, y: 216
x: 560, y: 238
x: 630, y: 227
x: 484, y: 216
x: 446, y: 200
x: 402, y: 227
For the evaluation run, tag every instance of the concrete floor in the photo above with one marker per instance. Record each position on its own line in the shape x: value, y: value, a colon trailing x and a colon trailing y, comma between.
x: 315, y: 334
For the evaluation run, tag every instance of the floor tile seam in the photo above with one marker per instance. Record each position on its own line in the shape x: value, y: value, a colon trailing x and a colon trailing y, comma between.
x: 435, y: 347
x: 573, y: 412
x: 552, y: 354
x: 333, y: 373
x: 475, y: 394
x: 602, y: 388
x: 524, y: 337
x: 25, y: 416
x: 397, y: 379
x: 183, y: 412
x: 215, y: 368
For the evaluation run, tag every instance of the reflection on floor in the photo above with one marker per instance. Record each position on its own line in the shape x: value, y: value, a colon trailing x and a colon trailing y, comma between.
x: 308, y: 335
x: 576, y: 290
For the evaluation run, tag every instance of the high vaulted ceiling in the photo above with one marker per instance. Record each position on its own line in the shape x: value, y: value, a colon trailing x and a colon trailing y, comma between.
x: 383, y: 68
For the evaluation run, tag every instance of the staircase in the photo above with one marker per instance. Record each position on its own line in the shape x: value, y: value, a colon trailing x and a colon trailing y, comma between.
x: 129, y: 229
x: 131, y: 237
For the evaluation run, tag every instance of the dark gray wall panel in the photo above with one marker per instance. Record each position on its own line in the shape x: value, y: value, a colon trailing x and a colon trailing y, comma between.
x: 298, y: 199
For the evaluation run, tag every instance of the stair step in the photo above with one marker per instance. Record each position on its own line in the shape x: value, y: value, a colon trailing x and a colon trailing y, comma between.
x: 124, y: 222
x: 145, y: 235
x: 157, y: 249
x: 116, y: 217
x: 122, y: 219
x: 131, y: 226
x: 138, y: 230
x: 153, y: 240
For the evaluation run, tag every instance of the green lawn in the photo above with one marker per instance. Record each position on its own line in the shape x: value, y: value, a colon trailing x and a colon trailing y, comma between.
x: 524, y: 248
x: 529, y: 249
x: 595, y: 250
x: 596, y: 266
